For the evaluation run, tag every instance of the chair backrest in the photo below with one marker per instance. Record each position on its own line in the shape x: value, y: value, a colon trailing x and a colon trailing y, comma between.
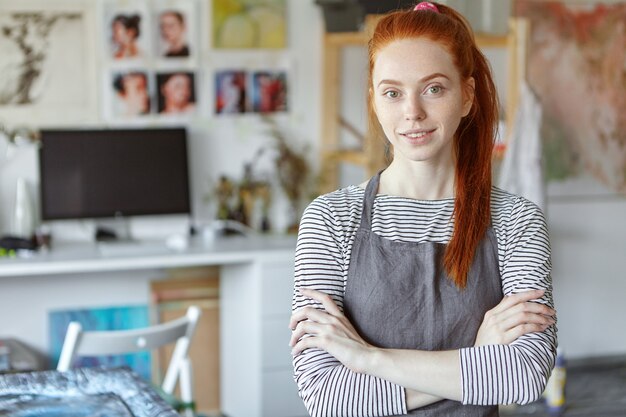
x: 93, y: 343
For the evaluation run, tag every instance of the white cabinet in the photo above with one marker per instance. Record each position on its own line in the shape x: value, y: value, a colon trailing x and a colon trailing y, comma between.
x: 257, y: 375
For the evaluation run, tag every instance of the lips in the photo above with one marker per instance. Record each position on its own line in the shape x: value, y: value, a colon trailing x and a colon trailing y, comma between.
x: 418, y: 135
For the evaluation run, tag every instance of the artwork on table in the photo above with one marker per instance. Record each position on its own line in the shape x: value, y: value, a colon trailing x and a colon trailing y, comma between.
x: 113, y: 318
x: 176, y: 93
x: 47, y: 65
x: 576, y: 57
x: 175, y: 32
x: 249, y: 24
x: 269, y: 91
x: 230, y: 92
x: 129, y: 92
x: 126, y: 31
x: 80, y: 393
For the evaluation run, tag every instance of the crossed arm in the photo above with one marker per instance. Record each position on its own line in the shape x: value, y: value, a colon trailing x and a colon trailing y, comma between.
x: 427, y: 376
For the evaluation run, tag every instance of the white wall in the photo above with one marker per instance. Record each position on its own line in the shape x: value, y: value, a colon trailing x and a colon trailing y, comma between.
x: 220, y: 145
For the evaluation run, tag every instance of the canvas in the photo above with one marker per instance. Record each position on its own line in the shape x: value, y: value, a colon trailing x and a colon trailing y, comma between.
x: 576, y: 55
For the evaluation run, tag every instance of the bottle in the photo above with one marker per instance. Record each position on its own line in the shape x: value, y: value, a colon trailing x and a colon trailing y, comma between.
x: 23, y: 216
x: 555, y: 389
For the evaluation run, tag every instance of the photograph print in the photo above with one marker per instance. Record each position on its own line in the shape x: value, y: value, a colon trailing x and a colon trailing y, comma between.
x: 126, y: 31
x: 130, y: 94
x: 175, y: 29
x: 269, y: 91
x: 230, y: 91
x: 176, y: 93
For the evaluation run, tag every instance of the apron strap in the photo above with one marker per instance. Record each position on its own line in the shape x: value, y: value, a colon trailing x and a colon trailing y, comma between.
x: 368, y: 202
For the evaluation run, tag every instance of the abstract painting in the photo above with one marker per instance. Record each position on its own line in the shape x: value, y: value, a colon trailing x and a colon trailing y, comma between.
x: 576, y: 66
x: 47, y: 67
x: 241, y: 24
x: 113, y: 318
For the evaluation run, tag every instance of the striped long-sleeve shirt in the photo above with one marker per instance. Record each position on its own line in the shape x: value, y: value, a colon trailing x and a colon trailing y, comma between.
x: 494, y: 374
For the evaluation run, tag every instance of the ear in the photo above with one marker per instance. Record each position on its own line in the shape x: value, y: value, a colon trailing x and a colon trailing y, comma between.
x: 469, y: 87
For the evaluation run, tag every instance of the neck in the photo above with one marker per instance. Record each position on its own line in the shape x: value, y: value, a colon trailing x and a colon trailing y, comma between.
x: 420, y: 181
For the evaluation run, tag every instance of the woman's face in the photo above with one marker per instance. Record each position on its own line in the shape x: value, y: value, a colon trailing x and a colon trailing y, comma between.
x: 177, y: 89
x: 419, y: 99
x: 121, y: 34
x: 172, y: 29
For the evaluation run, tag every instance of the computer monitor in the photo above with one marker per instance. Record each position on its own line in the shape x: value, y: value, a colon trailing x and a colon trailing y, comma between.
x: 113, y: 172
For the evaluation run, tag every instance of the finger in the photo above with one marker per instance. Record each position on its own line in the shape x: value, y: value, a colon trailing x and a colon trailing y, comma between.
x: 521, y: 330
x: 323, y: 298
x: 526, y: 318
x: 308, y: 313
x: 306, y: 343
x: 514, y: 299
x: 527, y: 308
x: 304, y: 328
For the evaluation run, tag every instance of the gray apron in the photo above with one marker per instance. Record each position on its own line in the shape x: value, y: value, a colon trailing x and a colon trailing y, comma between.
x: 399, y: 296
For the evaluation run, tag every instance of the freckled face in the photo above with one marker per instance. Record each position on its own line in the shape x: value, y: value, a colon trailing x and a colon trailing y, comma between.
x: 419, y: 99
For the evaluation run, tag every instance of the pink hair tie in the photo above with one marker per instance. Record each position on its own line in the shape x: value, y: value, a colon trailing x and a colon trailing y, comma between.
x: 425, y: 5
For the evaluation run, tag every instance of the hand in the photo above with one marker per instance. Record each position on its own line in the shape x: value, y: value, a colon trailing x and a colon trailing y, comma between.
x: 329, y: 330
x: 513, y: 317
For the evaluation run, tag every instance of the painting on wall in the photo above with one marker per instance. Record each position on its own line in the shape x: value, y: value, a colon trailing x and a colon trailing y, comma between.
x: 111, y: 318
x: 249, y: 24
x: 47, y: 66
x: 583, y: 94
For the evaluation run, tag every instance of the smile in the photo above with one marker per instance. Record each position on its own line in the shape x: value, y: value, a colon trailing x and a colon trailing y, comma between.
x: 417, y: 135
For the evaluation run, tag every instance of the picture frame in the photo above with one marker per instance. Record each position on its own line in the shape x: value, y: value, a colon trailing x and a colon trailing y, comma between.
x: 49, y: 62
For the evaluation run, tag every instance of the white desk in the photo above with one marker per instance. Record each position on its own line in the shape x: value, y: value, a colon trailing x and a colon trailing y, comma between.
x: 255, y: 288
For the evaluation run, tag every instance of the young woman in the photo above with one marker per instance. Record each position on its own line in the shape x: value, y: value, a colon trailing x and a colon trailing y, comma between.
x: 425, y: 291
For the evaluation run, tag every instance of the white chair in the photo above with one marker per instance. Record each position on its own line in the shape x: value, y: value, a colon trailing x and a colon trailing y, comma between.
x: 95, y: 343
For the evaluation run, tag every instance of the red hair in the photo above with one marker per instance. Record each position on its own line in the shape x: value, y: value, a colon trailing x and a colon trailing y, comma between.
x: 473, y: 141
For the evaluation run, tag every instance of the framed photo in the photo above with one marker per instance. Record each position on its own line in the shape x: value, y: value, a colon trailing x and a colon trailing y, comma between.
x: 176, y: 93
x: 269, y: 91
x: 583, y: 94
x: 128, y: 94
x: 175, y: 29
x: 48, y: 62
x: 230, y: 91
x: 126, y: 31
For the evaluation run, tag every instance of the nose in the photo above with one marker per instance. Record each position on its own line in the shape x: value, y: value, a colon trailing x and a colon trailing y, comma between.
x: 414, y: 110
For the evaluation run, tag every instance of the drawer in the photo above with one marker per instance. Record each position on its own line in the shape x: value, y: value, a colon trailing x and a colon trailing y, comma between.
x: 277, y: 289
x: 280, y: 395
x: 276, y: 351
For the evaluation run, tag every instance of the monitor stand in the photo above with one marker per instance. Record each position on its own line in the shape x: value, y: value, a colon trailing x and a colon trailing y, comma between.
x: 113, y: 229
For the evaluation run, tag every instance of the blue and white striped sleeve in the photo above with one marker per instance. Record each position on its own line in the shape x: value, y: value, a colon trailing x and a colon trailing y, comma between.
x: 326, y: 386
x: 518, y: 372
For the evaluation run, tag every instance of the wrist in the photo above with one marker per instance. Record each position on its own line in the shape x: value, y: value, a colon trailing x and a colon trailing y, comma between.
x: 373, y: 360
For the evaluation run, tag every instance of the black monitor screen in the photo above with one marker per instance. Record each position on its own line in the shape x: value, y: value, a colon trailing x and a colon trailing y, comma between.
x: 105, y: 173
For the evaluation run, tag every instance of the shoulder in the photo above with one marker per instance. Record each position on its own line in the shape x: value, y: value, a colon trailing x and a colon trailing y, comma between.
x: 339, y: 203
x: 508, y: 207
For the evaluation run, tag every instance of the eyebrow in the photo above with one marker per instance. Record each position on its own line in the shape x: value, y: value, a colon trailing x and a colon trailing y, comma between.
x: 423, y: 80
